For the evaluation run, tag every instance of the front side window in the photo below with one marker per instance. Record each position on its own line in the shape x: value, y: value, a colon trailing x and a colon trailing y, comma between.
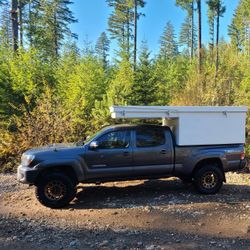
x: 149, y: 137
x: 112, y: 140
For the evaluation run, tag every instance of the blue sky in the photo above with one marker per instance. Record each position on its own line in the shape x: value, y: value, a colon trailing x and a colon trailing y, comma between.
x: 93, y: 16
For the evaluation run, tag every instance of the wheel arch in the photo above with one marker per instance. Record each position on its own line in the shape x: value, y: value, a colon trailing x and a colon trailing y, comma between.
x: 68, y: 170
x: 213, y: 161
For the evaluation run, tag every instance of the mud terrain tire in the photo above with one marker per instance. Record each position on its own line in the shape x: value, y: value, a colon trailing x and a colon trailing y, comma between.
x: 208, y: 179
x: 55, y: 190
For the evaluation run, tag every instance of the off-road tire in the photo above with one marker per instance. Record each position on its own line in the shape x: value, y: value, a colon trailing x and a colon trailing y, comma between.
x: 208, y: 179
x: 55, y: 190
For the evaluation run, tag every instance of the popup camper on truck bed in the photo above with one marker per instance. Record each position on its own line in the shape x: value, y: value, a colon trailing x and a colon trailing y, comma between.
x: 196, y: 144
x: 192, y: 125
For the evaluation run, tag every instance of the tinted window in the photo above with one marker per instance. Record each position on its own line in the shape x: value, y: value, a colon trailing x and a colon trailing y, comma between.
x: 149, y: 138
x: 118, y: 139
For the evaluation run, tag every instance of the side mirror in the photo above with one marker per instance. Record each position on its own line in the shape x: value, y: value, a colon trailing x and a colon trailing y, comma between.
x: 93, y: 145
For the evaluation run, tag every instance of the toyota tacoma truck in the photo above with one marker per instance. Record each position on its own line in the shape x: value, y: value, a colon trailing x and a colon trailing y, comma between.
x: 126, y: 152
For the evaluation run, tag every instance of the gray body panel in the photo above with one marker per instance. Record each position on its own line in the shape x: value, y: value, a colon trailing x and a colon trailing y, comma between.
x: 186, y: 158
x: 132, y: 162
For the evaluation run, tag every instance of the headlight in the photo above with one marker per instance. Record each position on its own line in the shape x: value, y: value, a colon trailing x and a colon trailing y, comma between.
x: 27, y: 159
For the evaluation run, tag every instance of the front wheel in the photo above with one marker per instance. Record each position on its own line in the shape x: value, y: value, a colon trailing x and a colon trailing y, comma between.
x: 208, y: 179
x: 55, y: 190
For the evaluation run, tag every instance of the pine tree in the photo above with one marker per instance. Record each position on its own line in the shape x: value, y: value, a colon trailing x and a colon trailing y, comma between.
x: 199, y: 35
x: 5, y: 24
x: 120, y: 88
x: 143, y: 89
x: 47, y: 25
x: 169, y: 47
x: 239, y: 30
x: 120, y: 21
x: 217, y: 9
x: 57, y: 17
x: 235, y: 34
x: 21, y: 5
x: 187, y: 39
x: 211, y: 21
x: 137, y: 3
x: 188, y: 5
x: 32, y: 16
x: 102, y: 48
x: 123, y: 21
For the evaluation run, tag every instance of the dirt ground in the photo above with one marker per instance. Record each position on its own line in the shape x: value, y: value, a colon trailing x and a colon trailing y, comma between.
x: 159, y: 214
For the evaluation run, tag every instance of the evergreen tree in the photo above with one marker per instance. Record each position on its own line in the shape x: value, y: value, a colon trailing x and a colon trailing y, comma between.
x: 217, y: 10
x: 122, y: 21
x: 102, y: 48
x: 187, y: 39
x: 137, y: 3
x: 199, y: 34
x: 211, y: 21
x: 188, y: 5
x: 21, y: 5
x: 143, y: 89
x: 47, y: 25
x: 5, y: 24
x: 120, y: 88
x: 169, y: 77
x: 32, y: 21
x: 239, y: 30
x: 169, y: 47
x: 84, y: 84
x: 235, y: 34
x: 88, y: 47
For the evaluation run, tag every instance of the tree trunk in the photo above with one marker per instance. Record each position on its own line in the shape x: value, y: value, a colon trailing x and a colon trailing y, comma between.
x: 55, y: 36
x: 199, y: 35
x: 128, y: 32
x: 135, y: 33
x: 29, y: 25
x: 217, y: 38
x: 123, y: 35
x: 212, y: 42
x: 192, y: 31
x: 20, y: 10
x: 14, y: 20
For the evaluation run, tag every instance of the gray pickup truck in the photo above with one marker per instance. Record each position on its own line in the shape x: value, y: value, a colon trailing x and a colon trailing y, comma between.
x: 125, y: 152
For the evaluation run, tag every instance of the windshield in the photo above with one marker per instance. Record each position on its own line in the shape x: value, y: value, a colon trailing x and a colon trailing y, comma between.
x: 88, y: 138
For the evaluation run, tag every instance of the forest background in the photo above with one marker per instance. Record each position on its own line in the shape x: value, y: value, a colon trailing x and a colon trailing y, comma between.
x: 52, y: 91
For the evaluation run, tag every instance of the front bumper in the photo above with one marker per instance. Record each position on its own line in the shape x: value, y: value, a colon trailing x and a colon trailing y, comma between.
x: 26, y: 175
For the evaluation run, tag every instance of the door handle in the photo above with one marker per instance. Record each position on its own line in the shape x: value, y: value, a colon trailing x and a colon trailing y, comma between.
x: 126, y: 153
x: 163, y: 151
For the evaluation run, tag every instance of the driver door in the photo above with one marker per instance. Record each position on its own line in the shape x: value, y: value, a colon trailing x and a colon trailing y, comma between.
x: 112, y: 157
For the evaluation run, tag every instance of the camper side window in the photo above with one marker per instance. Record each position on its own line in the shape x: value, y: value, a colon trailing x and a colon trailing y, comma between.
x: 149, y: 138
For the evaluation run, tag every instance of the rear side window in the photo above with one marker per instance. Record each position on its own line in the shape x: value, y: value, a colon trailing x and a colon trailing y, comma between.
x: 149, y: 137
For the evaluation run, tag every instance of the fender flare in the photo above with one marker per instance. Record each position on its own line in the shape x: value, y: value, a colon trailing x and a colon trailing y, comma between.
x: 74, y: 164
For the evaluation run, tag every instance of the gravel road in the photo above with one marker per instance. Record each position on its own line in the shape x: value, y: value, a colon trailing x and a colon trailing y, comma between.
x: 159, y: 214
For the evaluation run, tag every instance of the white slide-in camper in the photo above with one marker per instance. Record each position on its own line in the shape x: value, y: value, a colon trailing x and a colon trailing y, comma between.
x: 193, y: 125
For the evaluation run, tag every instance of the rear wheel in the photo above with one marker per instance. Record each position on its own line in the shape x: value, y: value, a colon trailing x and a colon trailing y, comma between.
x: 208, y: 179
x: 55, y: 190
